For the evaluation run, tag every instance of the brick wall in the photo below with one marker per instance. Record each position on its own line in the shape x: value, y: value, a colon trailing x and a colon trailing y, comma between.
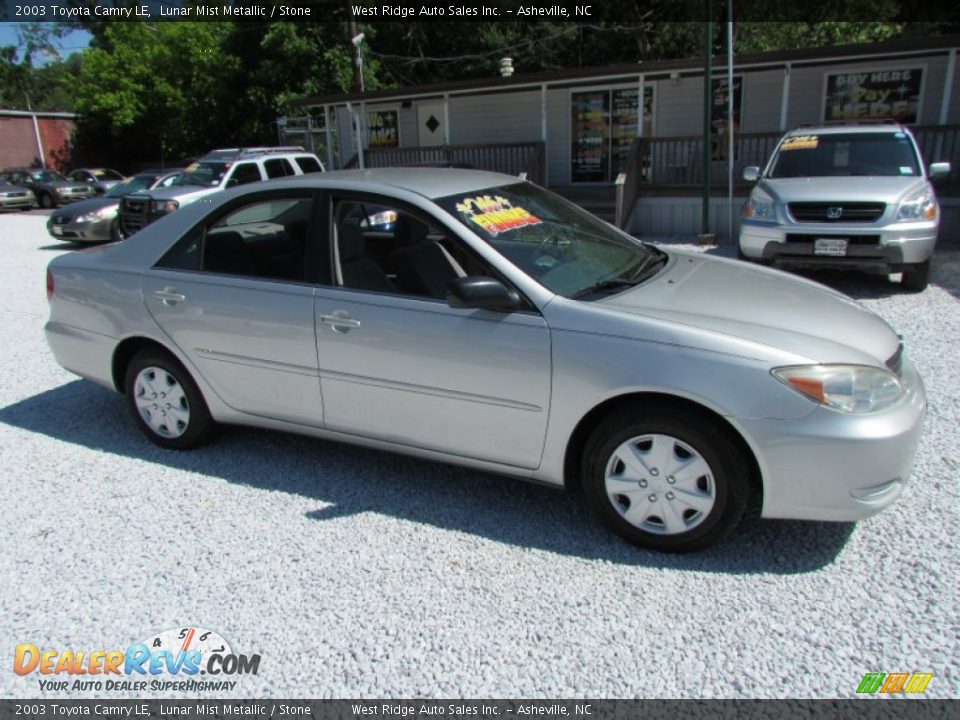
x: 18, y: 141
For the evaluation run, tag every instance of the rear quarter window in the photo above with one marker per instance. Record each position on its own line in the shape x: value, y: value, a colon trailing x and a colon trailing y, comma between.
x: 308, y: 164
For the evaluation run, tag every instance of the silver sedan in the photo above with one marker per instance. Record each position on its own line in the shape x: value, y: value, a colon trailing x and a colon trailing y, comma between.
x: 494, y: 325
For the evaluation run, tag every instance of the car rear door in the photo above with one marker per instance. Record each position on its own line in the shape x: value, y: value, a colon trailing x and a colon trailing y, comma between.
x: 236, y: 297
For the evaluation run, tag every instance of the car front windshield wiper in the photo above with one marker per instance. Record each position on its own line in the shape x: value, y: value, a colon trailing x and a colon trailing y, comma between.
x: 649, y: 267
x: 603, y: 286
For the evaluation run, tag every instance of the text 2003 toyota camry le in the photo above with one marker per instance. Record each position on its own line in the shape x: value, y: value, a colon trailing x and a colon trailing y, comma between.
x: 497, y: 326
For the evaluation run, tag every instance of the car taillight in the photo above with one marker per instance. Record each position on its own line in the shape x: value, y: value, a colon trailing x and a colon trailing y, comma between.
x: 49, y: 285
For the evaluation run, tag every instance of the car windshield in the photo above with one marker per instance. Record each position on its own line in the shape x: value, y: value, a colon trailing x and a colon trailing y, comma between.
x: 132, y: 184
x: 107, y: 175
x: 563, y: 247
x: 207, y: 174
x: 845, y: 154
x: 47, y: 176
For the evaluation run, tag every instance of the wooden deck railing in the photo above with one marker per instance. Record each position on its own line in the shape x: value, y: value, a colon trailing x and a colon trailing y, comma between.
x: 509, y: 158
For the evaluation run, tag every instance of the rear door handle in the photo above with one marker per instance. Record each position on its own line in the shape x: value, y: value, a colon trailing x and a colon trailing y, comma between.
x: 340, y: 321
x: 169, y: 296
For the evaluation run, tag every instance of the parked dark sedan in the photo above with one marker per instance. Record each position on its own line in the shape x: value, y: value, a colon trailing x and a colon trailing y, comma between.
x: 15, y: 197
x: 50, y: 188
x: 95, y: 220
x: 102, y: 179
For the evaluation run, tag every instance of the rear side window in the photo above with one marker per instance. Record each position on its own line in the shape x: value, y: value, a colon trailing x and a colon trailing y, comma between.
x: 278, y: 167
x: 308, y: 164
x: 264, y: 239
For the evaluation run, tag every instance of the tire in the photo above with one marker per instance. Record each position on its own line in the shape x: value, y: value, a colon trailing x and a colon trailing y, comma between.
x: 916, y: 276
x: 115, y: 234
x: 693, y: 501
x: 46, y: 201
x: 185, y: 422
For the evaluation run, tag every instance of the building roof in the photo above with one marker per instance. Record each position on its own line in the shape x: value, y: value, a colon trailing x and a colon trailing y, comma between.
x: 653, y: 69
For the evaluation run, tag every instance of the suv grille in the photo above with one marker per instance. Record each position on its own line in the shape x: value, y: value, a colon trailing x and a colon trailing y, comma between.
x: 836, y: 212
x: 133, y: 214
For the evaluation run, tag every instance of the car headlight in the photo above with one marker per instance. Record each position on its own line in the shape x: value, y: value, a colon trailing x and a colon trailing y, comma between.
x: 164, y: 206
x: 848, y: 388
x: 919, y: 206
x: 93, y: 216
x: 759, y: 206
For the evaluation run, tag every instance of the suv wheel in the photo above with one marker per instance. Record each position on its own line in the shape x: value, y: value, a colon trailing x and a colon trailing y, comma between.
x: 916, y: 276
x: 46, y: 200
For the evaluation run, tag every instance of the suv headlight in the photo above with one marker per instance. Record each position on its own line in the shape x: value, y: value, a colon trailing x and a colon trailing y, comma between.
x: 919, y: 206
x: 759, y: 206
x: 848, y: 388
x: 164, y: 206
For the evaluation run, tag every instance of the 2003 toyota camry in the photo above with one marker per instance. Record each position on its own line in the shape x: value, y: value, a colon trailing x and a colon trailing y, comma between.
x: 495, y: 325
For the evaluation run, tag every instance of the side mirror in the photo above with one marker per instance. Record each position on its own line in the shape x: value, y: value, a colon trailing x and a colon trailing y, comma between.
x: 484, y: 293
x: 938, y: 170
x: 232, y: 182
x: 751, y: 173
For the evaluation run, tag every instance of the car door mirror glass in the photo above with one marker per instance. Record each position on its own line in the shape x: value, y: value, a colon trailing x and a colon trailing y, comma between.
x: 478, y: 292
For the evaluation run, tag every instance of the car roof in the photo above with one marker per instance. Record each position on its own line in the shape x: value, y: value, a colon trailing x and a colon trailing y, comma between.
x: 846, y: 128
x: 428, y: 182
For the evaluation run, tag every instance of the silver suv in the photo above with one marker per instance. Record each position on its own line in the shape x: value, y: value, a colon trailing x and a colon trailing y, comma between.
x: 852, y: 196
x: 217, y: 170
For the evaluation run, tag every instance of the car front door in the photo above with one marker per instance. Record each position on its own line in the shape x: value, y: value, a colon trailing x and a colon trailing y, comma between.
x: 397, y: 363
x: 235, y: 296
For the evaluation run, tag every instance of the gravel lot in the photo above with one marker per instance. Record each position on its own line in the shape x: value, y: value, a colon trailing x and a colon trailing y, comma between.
x: 359, y: 573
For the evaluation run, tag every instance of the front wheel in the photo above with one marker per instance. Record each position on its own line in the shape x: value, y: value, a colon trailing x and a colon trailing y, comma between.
x: 916, y: 276
x: 667, y: 479
x: 165, y: 401
x: 46, y: 201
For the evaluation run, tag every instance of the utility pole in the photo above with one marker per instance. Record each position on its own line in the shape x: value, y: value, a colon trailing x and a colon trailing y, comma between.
x: 355, y: 49
x: 707, y: 103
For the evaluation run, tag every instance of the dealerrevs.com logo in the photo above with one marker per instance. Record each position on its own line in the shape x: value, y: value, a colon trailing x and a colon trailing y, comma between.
x: 170, y: 660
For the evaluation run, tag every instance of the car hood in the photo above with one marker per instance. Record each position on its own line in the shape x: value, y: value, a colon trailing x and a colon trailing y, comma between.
x: 762, y: 306
x: 81, y: 207
x: 179, y: 191
x: 66, y: 185
x: 5, y: 189
x: 836, y: 189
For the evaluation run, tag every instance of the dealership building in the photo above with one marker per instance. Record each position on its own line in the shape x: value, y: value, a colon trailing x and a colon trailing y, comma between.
x: 586, y: 134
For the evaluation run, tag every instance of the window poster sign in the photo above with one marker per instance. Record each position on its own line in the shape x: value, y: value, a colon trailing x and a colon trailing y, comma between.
x: 877, y: 95
x: 590, y: 145
x: 719, y: 97
x: 383, y: 129
x: 625, y: 121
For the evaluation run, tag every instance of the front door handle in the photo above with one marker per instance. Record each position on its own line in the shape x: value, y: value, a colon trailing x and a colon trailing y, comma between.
x: 169, y: 296
x: 340, y: 321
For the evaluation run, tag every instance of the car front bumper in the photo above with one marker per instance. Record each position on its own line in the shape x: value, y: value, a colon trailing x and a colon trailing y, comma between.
x: 885, y: 248
x: 18, y: 203
x: 831, y: 465
x: 96, y: 231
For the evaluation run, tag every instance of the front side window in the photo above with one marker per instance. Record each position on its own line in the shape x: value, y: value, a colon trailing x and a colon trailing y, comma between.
x: 845, y: 154
x: 561, y: 246
x: 265, y: 239
x: 204, y: 173
x: 386, y: 248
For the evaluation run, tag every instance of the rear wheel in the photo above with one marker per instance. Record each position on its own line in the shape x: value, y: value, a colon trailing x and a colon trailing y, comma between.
x: 916, y: 276
x: 665, y: 478
x: 165, y: 401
